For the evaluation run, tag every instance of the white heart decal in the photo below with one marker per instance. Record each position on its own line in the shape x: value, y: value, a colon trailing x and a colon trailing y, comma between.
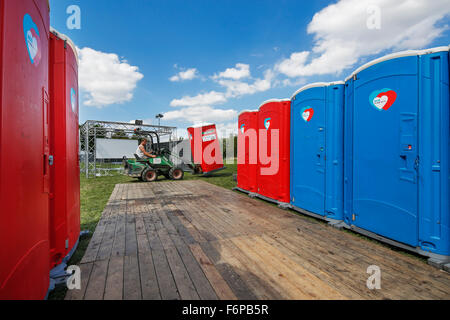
x: 267, y: 124
x: 380, y: 102
x: 306, y: 115
x: 32, y: 45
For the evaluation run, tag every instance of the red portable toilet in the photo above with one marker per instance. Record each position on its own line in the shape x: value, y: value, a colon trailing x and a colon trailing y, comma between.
x: 65, y: 182
x: 247, y: 151
x: 24, y: 149
x: 205, y: 146
x: 274, y: 119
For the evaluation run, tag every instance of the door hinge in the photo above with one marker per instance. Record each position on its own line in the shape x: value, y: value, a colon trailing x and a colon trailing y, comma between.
x: 417, y: 163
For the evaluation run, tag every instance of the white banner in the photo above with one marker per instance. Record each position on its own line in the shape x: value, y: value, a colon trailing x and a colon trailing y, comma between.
x: 115, y: 148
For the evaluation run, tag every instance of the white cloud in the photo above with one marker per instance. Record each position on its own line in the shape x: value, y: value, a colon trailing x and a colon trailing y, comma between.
x: 240, y: 88
x: 241, y: 71
x: 188, y: 74
x: 341, y: 35
x: 204, y: 99
x: 105, y: 79
x: 225, y: 129
x: 198, y: 114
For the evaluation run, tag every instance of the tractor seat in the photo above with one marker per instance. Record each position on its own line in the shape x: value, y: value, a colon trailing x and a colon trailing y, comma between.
x: 139, y: 159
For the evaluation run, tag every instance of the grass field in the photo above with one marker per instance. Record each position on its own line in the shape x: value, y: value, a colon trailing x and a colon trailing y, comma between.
x: 95, y: 193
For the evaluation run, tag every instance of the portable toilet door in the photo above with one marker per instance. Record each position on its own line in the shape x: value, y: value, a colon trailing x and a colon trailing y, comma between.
x: 317, y: 137
x: 24, y: 149
x: 65, y: 186
x: 274, y: 119
x: 395, y: 106
x: 434, y: 153
x: 247, y: 156
x: 205, y: 147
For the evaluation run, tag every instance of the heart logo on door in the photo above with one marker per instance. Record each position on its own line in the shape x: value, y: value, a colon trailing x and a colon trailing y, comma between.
x: 267, y: 123
x: 307, y: 114
x: 32, y: 39
x: 383, y: 99
x: 243, y: 128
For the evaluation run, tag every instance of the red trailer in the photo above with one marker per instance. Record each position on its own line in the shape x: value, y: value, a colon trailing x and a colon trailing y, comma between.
x: 274, y: 119
x: 65, y: 182
x: 247, y: 151
x: 24, y: 149
x: 205, y: 147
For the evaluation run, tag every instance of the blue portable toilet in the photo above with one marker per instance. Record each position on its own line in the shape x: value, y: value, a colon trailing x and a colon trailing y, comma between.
x: 317, y: 137
x: 396, y: 175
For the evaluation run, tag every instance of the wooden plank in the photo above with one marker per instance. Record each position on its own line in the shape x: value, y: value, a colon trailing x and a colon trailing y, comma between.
x: 221, y: 287
x: 263, y: 287
x: 167, y: 287
x: 131, y: 246
x: 76, y: 294
x: 96, y: 286
x: 239, y: 287
x: 131, y: 279
x: 114, y: 279
x: 184, y: 284
x: 201, y: 283
x: 118, y: 248
x: 273, y: 270
x: 328, y: 274
x: 94, y: 245
x: 149, y: 282
x: 140, y: 227
x: 105, y: 249
x: 307, y: 282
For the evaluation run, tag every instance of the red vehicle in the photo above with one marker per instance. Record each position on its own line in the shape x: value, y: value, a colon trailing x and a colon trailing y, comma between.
x: 274, y: 119
x: 205, y: 147
x: 24, y: 149
x: 65, y: 173
x: 247, y: 151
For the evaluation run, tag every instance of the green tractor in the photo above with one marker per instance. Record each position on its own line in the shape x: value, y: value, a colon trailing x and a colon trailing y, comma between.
x: 149, y: 169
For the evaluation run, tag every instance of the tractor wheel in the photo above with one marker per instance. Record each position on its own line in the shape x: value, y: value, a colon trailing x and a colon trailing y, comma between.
x: 176, y: 174
x: 149, y: 175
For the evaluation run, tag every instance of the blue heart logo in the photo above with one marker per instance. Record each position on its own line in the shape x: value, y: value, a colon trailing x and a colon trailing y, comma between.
x: 267, y: 123
x: 32, y: 39
x: 73, y: 99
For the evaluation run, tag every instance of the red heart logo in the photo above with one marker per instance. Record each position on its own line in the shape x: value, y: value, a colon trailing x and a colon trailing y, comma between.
x: 388, y: 98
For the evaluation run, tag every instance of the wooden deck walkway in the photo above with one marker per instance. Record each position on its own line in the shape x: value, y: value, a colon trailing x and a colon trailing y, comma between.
x: 194, y: 240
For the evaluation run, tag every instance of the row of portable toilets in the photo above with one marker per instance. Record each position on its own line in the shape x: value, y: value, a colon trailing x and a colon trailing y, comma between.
x: 39, y: 168
x: 370, y: 153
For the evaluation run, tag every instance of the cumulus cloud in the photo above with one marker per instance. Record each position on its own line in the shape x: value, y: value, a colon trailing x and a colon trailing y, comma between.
x: 188, y: 74
x: 203, y: 99
x: 201, y: 114
x: 342, y: 36
x: 106, y: 79
x: 240, y: 71
x: 239, y: 88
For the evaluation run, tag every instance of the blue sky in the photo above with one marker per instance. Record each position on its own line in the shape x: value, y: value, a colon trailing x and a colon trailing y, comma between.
x: 270, y: 48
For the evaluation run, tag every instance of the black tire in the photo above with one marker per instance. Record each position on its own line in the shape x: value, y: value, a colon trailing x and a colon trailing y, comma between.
x: 149, y: 175
x: 176, y: 173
